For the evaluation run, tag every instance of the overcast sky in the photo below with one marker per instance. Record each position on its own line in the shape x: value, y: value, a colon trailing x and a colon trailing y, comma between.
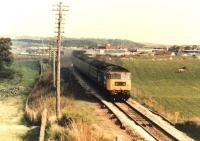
x: 153, y: 21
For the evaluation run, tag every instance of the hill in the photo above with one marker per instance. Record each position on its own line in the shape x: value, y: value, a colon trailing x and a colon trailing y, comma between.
x: 75, y: 42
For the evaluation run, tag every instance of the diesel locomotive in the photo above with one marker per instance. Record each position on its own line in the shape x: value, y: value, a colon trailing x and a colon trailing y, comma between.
x: 114, y: 80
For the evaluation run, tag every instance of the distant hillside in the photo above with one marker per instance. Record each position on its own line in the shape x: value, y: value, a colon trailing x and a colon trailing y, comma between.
x: 74, y: 42
x: 154, y: 45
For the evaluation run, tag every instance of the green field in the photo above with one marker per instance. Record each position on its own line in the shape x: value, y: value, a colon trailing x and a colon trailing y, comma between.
x: 159, y: 80
x: 25, y: 74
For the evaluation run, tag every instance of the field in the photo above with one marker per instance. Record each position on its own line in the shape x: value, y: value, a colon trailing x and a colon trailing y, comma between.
x: 13, y: 126
x: 26, y: 73
x: 160, y: 81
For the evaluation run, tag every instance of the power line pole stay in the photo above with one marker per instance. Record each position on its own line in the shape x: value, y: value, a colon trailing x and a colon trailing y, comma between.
x: 60, y: 8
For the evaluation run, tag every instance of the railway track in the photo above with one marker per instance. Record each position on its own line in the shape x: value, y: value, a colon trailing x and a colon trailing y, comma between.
x: 158, y: 133
x: 133, y: 120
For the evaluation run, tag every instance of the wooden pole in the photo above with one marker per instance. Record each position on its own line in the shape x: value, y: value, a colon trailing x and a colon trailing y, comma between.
x: 54, y: 68
x: 60, y: 8
x: 58, y: 62
x: 43, y: 125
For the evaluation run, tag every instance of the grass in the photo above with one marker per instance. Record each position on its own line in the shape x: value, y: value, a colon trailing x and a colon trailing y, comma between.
x: 26, y: 73
x: 79, y: 121
x: 80, y: 112
x: 12, y: 125
x: 160, y: 81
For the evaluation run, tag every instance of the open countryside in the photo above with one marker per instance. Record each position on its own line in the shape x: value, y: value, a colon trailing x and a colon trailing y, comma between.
x: 125, y: 70
x: 160, y: 80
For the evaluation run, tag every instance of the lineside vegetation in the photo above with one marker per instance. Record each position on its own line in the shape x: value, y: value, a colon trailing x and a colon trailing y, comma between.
x: 76, y: 122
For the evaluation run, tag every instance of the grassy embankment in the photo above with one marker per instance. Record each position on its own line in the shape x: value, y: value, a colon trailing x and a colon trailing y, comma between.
x: 12, y: 125
x: 80, y: 121
x: 157, y: 84
x: 26, y: 73
x: 160, y: 80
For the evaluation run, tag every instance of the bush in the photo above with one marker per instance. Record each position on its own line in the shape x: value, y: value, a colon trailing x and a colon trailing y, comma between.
x: 7, y: 74
x: 65, y: 120
x: 57, y: 133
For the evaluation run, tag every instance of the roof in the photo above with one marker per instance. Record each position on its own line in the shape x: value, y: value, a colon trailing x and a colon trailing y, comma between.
x: 98, y: 64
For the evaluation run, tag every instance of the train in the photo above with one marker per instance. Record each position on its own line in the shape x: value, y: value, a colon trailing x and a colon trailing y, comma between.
x: 114, y: 80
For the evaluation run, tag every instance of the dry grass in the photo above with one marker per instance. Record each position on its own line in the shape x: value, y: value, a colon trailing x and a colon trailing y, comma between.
x: 40, y: 98
x: 43, y: 96
x: 83, y: 132
x: 78, y: 131
x: 75, y: 106
x: 196, y: 120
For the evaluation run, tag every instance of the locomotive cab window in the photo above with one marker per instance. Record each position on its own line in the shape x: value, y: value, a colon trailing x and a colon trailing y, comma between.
x: 125, y: 76
x: 119, y: 76
x: 115, y: 76
x: 108, y: 76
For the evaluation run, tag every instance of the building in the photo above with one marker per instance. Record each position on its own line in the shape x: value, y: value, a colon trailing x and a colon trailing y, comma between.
x: 194, y: 53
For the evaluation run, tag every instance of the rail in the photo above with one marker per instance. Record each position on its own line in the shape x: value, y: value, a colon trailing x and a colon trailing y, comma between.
x: 154, y: 130
x: 125, y: 122
x: 136, y: 122
x: 168, y: 128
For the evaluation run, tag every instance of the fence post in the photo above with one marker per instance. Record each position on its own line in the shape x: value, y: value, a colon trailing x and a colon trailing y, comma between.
x: 43, y: 125
x: 118, y: 138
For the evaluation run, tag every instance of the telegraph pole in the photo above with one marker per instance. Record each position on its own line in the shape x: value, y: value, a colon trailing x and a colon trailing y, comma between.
x: 54, y: 68
x: 50, y: 55
x: 60, y: 9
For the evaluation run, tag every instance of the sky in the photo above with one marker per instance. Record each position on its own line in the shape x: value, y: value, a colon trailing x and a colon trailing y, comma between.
x: 146, y: 21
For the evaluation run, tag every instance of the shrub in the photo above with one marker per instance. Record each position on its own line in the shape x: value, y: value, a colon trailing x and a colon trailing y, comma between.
x: 7, y: 74
x: 65, y: 120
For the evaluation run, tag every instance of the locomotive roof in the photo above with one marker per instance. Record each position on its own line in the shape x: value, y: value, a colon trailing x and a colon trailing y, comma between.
x: 115, y: 68
x: 97, y: 63
x: 107, y: 66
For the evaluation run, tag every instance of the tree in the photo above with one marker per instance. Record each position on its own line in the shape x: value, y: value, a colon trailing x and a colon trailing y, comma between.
x: 6, y: 57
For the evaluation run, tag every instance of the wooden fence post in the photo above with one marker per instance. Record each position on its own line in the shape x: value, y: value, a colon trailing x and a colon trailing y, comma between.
x: 43, y: 125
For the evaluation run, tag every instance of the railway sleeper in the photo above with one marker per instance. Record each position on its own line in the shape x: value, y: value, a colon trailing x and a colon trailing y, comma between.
x: 109, y: 112
x: 120, y: 124
x: 141, y: 120
x: 144, y: 124
x: 112, y: 116
x: 103, y: 106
